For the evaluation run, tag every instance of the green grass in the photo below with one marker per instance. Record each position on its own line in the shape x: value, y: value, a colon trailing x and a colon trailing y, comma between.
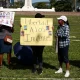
x: 49, y: 56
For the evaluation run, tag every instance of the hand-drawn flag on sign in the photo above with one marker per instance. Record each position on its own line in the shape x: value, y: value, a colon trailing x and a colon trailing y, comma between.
x: 7, y: 18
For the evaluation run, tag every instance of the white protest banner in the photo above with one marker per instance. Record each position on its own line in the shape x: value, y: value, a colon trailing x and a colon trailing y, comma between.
x: 36, y: 31
x: 7, y: 18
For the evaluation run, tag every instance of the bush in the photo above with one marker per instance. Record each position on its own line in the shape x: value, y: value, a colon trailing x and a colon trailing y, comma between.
x: 63, y: 6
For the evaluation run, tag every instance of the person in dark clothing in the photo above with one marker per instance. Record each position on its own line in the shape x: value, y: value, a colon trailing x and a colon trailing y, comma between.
x: 37, y: 53
x: 5, y: 47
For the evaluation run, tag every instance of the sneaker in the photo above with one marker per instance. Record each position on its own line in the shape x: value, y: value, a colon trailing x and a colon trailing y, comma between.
x: 67, y: 74
x: 40, y: 71
x: 33, y: 70
x: 59, y: 71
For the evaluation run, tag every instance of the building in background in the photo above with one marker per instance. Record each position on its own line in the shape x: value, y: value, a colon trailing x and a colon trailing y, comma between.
x: 2, y: 3
x: 19, y: 0
x: 7, y: 3
x: 11, y: 1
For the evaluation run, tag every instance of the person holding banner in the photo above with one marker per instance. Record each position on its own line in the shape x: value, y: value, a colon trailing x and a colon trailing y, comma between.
x: 5, y: 46
x: 37, y: 53
x: 63, y: 40
x: 6, y: 28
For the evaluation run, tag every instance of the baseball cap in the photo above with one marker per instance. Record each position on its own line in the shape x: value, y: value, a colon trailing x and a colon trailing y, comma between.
x: 64, y: 18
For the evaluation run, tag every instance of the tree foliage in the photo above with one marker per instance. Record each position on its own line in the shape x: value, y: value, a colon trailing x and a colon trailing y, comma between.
x: 42, y: 5
x: 52, y: 2
x: 62, y: 5
x: 18, y: 4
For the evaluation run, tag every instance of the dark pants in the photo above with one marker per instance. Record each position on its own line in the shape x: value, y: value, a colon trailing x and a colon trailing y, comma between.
x: 37, y: 54
x: 63, y: 54
x: 4, y: 47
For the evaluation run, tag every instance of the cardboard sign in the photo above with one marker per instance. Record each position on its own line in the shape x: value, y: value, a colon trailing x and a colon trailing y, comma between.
x: 7, y: 18
x: 36, y: 31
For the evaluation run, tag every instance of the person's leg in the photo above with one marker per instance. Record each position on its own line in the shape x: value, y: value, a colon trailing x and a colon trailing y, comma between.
x: 9, y: 58
x: 40, y: 56
x: 1, y: 51
x: 66, y: 60
x: 60, y: 64
x: 60, y: 67
x: 60, y: 61
x: 34, y: 59
x: 1, y: 59
x: 40, y: 59
x: 67, y: 74
x: 67, y: 66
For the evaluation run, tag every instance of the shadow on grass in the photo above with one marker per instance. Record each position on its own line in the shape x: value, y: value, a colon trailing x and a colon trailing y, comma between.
x: 75, y: 63
x: 17, y: 64
x: 46, y: 65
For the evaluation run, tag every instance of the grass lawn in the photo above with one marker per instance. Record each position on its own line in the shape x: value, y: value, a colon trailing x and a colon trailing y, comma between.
x: 49, y: 56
